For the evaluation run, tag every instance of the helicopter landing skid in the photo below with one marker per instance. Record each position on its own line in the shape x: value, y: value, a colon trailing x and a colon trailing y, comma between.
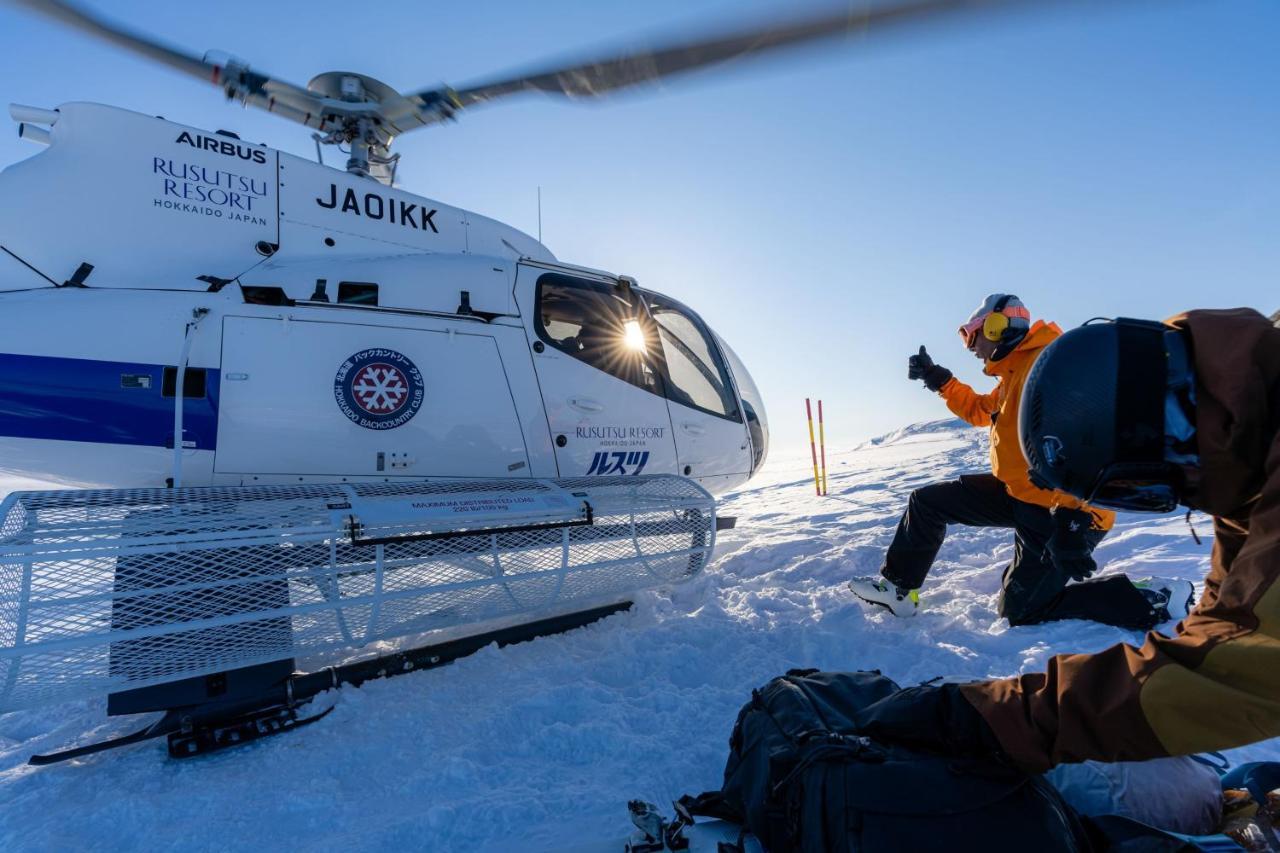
x: 187, y: 739
x: 202, y: 729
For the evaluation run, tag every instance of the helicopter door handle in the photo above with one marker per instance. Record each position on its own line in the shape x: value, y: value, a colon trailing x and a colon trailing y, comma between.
x: 692, y: 428
x: 584, y: 404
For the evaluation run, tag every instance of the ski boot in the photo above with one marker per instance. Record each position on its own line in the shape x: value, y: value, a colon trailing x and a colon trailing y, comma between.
x: 1171, y: 599
x: 895, y: 599
x: 648, y: 820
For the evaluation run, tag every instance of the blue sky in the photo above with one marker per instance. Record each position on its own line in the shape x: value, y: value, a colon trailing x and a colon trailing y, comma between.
x: 826, y: 215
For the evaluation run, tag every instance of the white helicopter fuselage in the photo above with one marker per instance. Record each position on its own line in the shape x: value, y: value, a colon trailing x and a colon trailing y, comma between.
x: 325, y: 327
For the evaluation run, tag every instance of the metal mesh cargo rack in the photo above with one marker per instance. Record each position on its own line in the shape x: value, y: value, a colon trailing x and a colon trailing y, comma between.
x: 115, y: 590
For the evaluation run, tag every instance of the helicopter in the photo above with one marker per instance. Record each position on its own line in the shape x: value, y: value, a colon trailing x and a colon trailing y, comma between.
x: 334, y: 419
x: 277, y: 320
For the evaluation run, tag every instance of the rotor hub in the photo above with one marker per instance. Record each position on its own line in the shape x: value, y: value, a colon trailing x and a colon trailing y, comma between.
x: 348, y: 87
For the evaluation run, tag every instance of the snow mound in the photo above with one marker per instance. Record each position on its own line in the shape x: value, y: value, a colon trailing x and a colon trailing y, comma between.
x: 924, y: 431
x: 539, y: 746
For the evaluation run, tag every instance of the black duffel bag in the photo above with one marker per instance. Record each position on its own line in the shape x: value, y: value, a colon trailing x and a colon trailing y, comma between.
x: 801, y: 778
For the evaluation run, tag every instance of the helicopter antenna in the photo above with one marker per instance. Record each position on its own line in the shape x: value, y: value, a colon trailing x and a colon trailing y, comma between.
x: 539, y: 214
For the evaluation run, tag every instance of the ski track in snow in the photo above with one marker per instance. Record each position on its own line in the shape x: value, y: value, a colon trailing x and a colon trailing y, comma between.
x: 539, y: 746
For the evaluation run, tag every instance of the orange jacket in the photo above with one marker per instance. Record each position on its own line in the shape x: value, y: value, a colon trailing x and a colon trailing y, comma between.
x: 999, y: 410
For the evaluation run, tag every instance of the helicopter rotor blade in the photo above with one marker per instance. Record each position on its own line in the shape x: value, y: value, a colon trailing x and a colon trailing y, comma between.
x: 236, y: 80
x: 606, y: 75
x: 383, y: 113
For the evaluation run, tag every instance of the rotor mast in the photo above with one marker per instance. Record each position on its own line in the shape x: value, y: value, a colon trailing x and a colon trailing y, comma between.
x: 366, y: 156
x: 353, y: 107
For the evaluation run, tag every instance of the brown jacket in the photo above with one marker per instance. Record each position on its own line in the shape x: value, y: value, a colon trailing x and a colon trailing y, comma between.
x: 1216, y: 683
x: 998, y: 409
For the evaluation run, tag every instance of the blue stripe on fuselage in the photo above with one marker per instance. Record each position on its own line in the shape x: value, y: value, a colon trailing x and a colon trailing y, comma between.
x: 75, y: 399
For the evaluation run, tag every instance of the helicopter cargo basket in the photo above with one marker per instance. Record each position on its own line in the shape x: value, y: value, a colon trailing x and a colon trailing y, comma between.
x: 114, y: 590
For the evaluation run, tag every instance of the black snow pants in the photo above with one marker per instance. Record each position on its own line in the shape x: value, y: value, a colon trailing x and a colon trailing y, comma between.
x: 1035, y: 590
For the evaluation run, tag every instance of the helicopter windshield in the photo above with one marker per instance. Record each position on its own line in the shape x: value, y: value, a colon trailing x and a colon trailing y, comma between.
x: 752, y: 405
x: 697, y: 374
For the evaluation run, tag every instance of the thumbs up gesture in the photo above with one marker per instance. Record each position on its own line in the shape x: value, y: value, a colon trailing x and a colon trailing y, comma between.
x: 918, y: 364
x: 921, y: 366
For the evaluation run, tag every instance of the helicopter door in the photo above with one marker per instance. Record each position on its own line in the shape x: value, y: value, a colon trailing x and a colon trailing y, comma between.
x: 711, y: 436
x: 302, y: 398
x: 596, y: 355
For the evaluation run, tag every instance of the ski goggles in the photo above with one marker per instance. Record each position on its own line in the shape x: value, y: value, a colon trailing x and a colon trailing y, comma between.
x: 969, y: 331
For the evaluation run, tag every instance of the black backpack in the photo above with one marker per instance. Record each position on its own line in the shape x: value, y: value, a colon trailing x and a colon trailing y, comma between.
x: 801, y: 778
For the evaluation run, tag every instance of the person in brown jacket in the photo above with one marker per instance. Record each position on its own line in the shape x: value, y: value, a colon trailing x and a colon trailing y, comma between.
x: 1137, y: 415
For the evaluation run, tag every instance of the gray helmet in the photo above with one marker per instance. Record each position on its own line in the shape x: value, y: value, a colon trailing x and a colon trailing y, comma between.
x: 1093, y: 415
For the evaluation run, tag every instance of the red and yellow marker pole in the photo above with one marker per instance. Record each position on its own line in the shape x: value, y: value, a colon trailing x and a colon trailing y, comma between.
x: 813, y: 448
x: 822, y: 448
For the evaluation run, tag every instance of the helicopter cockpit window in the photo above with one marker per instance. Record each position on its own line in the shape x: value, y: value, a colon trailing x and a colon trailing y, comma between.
x: 695, y: 370
x: 357, y: 293
x: 602, y: 325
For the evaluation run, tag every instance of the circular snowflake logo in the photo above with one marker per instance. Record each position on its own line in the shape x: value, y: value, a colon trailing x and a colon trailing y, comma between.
x: 378, y: 389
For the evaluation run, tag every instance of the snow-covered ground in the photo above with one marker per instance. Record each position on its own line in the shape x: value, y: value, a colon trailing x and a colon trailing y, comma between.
x: 539, y: 746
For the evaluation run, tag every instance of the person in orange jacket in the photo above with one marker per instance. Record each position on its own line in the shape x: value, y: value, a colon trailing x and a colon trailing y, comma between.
x: 1147, y: 417
x: 1054, y: 534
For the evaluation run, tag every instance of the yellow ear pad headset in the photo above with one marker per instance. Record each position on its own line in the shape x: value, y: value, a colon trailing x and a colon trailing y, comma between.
x: 997, y: 323
x: 993, y: 328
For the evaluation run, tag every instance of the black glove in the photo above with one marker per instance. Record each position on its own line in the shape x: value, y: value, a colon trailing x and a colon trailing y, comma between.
x: 1069, y: 546
x: 921, y: 366
x: 935, y: 718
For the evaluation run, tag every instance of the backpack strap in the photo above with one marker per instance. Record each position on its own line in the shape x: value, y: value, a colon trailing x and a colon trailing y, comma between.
x: 832, y: 747
x: 1216, y: 760
x: 712, y: 804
